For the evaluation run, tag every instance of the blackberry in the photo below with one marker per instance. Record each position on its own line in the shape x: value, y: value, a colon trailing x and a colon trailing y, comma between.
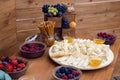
x: 65, y: 23
x: 27, y: 45
x: 62, y: 69
x: 19, y: 61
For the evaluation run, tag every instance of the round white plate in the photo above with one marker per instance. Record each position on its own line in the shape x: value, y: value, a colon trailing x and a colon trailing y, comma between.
x: 108, y: 62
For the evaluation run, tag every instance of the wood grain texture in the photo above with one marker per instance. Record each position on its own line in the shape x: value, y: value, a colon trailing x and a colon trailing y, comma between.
x: 34, y: 3
x: 28, y: 24
x: 7, y: 25
x: 22, y: 35
x: 29, y: 13
x: 98, y: 17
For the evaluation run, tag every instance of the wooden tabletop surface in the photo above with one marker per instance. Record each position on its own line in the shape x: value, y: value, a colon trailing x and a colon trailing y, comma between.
x: 41, y: 68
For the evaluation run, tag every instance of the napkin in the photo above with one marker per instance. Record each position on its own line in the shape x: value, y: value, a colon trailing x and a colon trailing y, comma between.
x: 4, y: 76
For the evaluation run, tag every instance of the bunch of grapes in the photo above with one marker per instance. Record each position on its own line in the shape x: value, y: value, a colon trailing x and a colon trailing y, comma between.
x: 54, y: 10
x: 65, y: 23
x: 109, y: 38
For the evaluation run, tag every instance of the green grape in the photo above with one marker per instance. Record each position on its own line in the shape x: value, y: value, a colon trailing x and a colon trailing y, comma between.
x: 54, y: 13
x: 49, y: 10
x: 53, y: 10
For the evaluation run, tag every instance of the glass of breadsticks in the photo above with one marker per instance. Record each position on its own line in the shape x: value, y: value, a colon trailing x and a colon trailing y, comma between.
x: 47, y: 29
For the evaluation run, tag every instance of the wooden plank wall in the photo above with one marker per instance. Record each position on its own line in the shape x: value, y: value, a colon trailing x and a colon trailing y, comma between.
x: 93, y: 16
x: 7, y: 25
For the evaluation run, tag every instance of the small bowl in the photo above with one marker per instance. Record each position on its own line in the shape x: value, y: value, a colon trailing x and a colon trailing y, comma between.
x: 18, y: 74
x: 69, y: 38
x: 110, y: 42
x: 71, y: 72
x: 11, y: 65
x: 108, y: 38
x: 36, y: 52
x: 99, y: 41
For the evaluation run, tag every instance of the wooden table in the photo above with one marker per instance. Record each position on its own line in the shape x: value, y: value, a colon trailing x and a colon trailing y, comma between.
x: 41, y: 68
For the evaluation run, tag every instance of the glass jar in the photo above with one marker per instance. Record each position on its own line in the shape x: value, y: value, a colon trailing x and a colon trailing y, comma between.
x: 49, y: 40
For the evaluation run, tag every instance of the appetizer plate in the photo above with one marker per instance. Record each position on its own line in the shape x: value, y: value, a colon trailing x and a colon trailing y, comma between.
x: 82, y: 63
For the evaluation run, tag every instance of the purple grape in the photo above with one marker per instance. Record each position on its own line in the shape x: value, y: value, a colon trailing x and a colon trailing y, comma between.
x: 49, y: 14
x: 59, y: 14
x: 45, y: 8
x: 61, y: 8
x: 65, y: 23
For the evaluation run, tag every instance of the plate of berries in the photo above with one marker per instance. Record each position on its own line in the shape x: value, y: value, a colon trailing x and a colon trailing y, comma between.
x: 66, y: 73
x: 32, y: 49
x: 108, y: 38
x: 14, y: 66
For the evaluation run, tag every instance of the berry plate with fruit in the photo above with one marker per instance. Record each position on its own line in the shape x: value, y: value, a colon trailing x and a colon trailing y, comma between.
x: 66, y: 73
x: 84, y: 54
x: 108, y: 38
x: 14, y: 66
x: 32, y: 49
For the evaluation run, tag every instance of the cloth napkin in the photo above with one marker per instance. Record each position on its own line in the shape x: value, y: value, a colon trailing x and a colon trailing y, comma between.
x: 4, y: 76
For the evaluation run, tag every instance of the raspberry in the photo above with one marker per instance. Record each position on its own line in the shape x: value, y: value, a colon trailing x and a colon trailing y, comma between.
x: 1, y: 66
x: 76, y: 73
x: 9, y: 67
x: 70, y: 76
x: 63, y: 76
x: 14, y: 63
x: 32, y: 45
x: 12, y: 58
x: 25, y: 48
x: 21, y: 66
x: 23, y: 60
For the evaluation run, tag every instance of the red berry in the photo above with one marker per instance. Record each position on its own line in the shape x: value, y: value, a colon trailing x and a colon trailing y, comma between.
x: 14, y: 63
x: 23, y: 60
x: 104, y: 33
x: 1, y: 66
x: 21, y: 66
x: 70, y: 76
x: 25, y: 48
x: 32, y: 50
x: 9, y: 67
x: 12, y: 58
x: 32, y: 45
x: 14, y: 70
x: 63, y: 76
x: 76, y: 73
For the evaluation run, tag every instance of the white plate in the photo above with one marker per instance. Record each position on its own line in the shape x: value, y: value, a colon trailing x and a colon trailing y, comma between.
x: 108, y: 62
